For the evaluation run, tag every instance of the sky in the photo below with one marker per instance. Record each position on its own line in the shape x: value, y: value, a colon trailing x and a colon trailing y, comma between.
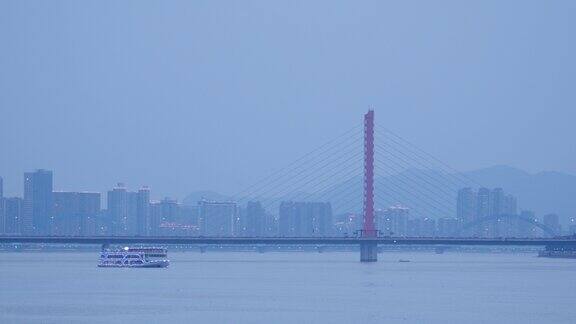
x: 191, y: 95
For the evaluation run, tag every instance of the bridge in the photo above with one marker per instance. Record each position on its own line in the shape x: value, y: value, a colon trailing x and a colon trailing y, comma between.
x: 349, y: 160
x: 103, y: 240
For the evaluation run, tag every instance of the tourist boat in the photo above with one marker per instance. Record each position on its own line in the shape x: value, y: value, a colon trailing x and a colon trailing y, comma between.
x: 130, y: 257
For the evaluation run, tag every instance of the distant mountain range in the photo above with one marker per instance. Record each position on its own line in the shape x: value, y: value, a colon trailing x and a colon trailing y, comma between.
x: 543, y: 192
x: 433, y: 193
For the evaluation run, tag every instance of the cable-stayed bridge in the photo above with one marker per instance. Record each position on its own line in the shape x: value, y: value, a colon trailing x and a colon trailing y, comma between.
x: 363, y: 169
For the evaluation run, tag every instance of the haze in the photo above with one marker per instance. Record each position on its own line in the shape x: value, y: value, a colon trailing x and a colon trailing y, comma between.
x: 189, y: 95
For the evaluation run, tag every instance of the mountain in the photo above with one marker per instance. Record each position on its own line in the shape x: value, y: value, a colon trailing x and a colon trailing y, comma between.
x: 543, y: 192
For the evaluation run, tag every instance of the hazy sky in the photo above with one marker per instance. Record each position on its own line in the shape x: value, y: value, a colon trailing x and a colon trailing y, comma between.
x: 188, y: 95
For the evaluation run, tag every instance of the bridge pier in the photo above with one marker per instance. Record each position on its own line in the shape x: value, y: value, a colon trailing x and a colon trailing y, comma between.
x: 368, y: 252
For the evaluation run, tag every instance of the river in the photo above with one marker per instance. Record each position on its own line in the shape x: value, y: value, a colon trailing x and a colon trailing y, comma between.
x: 289, y: 287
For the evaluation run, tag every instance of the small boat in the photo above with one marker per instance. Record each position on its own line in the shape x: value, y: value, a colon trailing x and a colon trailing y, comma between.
x: 402, y: 260
x: 128, y: 257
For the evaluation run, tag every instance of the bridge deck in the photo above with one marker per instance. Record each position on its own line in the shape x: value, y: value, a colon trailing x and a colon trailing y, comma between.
x: 285, y: 240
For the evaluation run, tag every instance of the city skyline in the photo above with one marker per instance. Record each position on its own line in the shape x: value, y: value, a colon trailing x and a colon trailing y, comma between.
x: 43, y: 209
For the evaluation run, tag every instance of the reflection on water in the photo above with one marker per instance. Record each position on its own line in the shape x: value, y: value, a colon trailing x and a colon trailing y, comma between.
x: 230, y: 287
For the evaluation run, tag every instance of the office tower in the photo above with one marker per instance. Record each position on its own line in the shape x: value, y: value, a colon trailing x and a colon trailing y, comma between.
x: 143, y: 223
x: 118, y: 210
x: 255, y: 219
x: 393, y: 221
x: 38, y: 203
x: 216, y: 218
x: 553, y: 222
x: 305, y: 219
x: 466, y: 205
x: 13, y: 209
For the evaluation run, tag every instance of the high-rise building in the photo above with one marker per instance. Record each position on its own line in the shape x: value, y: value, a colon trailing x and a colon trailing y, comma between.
x: 483, y: 210
x: 497, y: 202
x: 127, y: 211
x: 510, y: 205
x: 75, y: 213
x: 38, y: 186
x: 170, y: 210
x: 89, y: 209
x: 553, y: 222
x: 166, y: 218
x: 255, y: 219
x: 305, y: 219
x: 466, y: 205
x: 483, y: 203
x: 216, y: 218
x: 155, y: 218
x: 393, y: 221
x: 493, y: 207
x: 2, y: 208
x: 118, y: 210
x: 323, y: 223
x: 132, y: 208
x: 143, y: 222
x: 13, y: 215
x: 65, y: 217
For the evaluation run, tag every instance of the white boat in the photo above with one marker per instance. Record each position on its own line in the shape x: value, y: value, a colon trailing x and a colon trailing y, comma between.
x: 129, y: 257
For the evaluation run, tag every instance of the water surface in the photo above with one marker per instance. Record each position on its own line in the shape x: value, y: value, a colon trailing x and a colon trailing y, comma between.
x: 229, y: 287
